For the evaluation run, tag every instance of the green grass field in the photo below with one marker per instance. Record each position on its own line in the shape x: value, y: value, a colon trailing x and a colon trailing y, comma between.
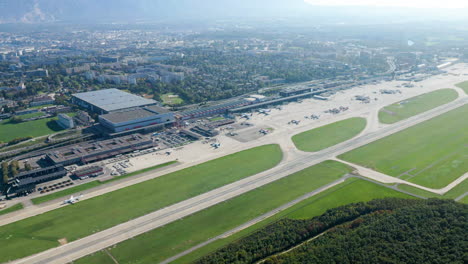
x: 329, y: 135
x: 169, y: 99
x: 351, y: 191
x: 416, y: 105
x: 433, y: 153
x: 38, y: 114
x: 463, y: 85
x: 37, y: 128
x: 93, y: 184
x: 41, y: 232
x: 10, y: 209
x: 164, y: 242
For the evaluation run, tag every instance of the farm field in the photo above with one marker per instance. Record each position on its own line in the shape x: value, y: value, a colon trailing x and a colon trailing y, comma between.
x: 464, y: 86
x: 351, y: 191
x: 37, y: 128
x: 416, y: 105
x: 432, y: 153
x: 164, y: 242
x: 41, y: 232
x: 89, y: 185
x: 329, y: 135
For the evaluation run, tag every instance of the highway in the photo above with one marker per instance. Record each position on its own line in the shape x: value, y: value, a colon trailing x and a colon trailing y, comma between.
x: 116, y: 234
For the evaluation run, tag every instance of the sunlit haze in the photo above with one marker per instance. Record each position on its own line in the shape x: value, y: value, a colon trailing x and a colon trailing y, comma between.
x: 394, y: 3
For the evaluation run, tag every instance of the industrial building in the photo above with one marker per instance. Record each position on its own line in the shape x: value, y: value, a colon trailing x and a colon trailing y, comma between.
x: 134, y: 118
x: 25, y: 182
x: 109, y: 100
x: 86, y: 152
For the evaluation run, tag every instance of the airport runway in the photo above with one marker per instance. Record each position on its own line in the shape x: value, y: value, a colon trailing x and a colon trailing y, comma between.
x: 116, y: 234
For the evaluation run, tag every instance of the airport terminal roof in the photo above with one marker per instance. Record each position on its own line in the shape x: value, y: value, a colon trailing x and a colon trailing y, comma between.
x: 113, y: 99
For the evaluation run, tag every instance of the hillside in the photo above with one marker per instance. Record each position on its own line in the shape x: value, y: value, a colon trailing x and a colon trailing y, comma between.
x: 380, y: 231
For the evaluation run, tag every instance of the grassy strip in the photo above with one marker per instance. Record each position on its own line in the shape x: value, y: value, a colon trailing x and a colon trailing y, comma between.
x: 89, y: 185
x: 13, y: 208
x: 41, y: 232
x: 416, y: 105
x: 164, y: 242
x: 463, y: 85
x: 433, y: 152
x: 452, y: 194
x: 351, y: 191
x: 329, y: 135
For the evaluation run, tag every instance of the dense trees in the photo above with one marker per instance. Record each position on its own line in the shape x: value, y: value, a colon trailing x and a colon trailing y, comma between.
x: 5, y: 172
x: 380, y: 231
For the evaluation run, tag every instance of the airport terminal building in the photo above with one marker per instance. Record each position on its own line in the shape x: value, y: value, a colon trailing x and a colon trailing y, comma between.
x: 87, y: 152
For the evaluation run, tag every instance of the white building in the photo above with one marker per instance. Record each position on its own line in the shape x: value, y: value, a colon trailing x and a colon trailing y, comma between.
x: 65, y: 121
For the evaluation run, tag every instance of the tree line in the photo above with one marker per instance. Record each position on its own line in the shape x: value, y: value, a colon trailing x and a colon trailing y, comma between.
x: 380, y: 231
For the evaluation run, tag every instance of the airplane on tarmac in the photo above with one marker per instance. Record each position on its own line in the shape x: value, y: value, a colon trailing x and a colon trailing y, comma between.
x: 264, y: 131
x: 294, y: 122
x: 264, y: 111
x: 73, y: 199
x: 246, y: 116
x: 216, y: 145
x: 314, y: 116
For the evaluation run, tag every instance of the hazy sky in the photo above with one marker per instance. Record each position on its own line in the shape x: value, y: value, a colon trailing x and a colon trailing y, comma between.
x: 395, y: 3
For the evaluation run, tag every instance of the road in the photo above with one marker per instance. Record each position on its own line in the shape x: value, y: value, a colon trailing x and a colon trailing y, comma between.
x: 116, y: 234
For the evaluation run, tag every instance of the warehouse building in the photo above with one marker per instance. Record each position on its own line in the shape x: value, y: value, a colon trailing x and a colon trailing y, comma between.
x: 109, y: 100
x: 87, y: 152
x: 135, y: 118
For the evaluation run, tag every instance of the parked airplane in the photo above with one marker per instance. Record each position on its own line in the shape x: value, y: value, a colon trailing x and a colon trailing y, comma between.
x: 295, y: 122
x: 216, y: 145
x: 264, y: 131
x: 73, y: 199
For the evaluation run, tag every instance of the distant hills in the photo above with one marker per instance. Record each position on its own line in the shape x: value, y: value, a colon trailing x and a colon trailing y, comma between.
x: 129, y: 11
x: 33, y: 11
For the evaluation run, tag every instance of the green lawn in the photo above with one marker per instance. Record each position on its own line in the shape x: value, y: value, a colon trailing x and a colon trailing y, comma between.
x: 416, y: 105
x: 329, y: 135
x: 164, y: 242
x: 41, y: 232
x: 10, y: 209
x: 169, y: 99
x: 433, y: 153
x: 89, y: 185
x: 351, y: 191
x: 37, y: 128
x: 37, y: 114
x: 463, y: 85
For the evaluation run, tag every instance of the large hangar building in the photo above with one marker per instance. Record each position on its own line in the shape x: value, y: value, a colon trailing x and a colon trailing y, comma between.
x: 109, y: 100
x: 135, y: 118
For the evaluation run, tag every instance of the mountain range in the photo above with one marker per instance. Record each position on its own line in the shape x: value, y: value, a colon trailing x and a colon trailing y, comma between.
x: 127, y: 11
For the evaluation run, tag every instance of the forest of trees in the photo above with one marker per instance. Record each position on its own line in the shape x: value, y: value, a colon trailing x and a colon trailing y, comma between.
x: 381, y: 231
